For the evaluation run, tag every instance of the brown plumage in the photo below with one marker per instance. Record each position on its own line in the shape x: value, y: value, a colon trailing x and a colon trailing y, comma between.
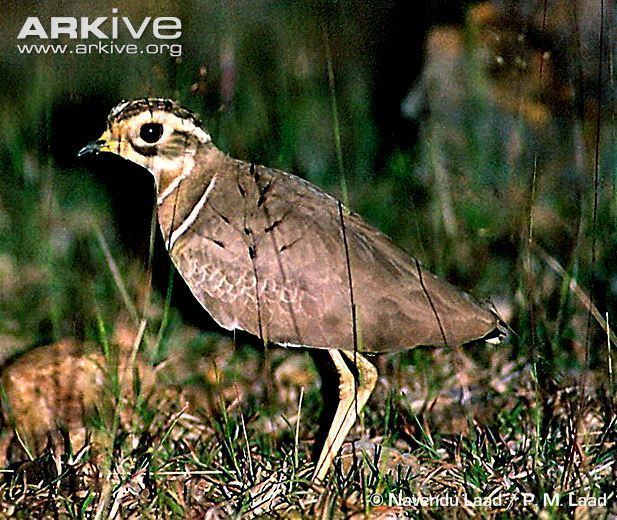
x: 266, y: 252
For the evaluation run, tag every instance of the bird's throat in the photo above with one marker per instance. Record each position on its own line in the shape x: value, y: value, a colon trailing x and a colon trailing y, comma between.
x: 180, y: 189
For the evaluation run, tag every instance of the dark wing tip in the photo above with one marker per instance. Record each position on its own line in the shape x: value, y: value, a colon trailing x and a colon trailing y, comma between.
x: 498, y: 334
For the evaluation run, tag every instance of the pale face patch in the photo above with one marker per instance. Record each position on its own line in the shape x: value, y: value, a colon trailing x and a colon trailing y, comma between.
x: 172, y: 153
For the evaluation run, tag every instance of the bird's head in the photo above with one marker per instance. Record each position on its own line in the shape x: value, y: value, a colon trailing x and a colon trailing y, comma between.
x: 155, y: 133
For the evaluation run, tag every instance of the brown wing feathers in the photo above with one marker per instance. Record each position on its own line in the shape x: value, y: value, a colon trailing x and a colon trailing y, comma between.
x: 266, y: 254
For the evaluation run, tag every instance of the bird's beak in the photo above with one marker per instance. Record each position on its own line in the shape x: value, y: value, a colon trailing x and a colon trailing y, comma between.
x: 102, y: 144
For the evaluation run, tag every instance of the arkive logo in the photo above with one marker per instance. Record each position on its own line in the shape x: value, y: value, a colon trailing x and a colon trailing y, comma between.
x: 101, y: 27
x: 117, y: 35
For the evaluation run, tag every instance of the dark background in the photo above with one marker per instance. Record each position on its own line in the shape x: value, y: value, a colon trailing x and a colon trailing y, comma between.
x: 462, y: 125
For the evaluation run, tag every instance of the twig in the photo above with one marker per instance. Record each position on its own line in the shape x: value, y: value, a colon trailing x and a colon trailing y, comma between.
x: 115, y: 272
x: 585, y: 300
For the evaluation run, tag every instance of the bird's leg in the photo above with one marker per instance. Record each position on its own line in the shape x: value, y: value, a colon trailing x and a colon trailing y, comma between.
x: 334, y: 439
x: 352, y: 399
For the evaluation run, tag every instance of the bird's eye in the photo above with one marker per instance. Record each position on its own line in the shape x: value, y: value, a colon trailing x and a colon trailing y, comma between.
x: 151, y: 132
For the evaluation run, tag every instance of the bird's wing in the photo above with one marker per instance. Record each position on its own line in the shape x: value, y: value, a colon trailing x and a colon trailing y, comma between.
x: 402, y: 303
x: 273, y: 255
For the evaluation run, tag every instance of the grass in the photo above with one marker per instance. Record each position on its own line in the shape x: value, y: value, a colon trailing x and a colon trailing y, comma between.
x: 116, y: 402
x: 155, y: 458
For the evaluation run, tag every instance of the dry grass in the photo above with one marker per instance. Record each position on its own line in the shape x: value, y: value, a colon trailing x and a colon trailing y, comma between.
x: 218, y: 447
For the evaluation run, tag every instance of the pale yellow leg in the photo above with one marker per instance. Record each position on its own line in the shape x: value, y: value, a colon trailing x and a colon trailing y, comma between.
x: 350, y: 404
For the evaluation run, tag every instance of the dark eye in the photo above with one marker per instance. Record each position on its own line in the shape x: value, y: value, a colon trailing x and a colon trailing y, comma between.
x: 151, y: 132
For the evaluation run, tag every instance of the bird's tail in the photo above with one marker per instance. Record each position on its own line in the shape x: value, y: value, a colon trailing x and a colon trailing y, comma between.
x: 498, y: 334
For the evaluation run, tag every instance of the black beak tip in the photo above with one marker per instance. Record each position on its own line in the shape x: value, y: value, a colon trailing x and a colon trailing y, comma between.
x: 90, y: 149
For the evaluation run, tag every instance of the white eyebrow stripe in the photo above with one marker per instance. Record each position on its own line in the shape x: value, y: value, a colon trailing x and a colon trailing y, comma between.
x: 190, y: 220
x: 201, y: 134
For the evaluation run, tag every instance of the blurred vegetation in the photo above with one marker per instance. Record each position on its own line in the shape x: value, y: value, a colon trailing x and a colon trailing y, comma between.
x: 496, y: 105
x: 468, y: 135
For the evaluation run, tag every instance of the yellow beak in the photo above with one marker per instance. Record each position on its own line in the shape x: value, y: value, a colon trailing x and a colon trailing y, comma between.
x: 102, y: 144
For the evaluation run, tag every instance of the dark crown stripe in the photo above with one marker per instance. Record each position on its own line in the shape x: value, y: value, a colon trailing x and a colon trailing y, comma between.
x: 126, y: 110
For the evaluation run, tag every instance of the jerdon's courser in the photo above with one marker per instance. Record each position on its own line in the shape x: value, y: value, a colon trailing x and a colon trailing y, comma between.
x: 266, y: 252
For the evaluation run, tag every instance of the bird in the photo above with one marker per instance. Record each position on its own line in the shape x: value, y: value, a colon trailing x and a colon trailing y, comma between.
x: 267, y: 252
